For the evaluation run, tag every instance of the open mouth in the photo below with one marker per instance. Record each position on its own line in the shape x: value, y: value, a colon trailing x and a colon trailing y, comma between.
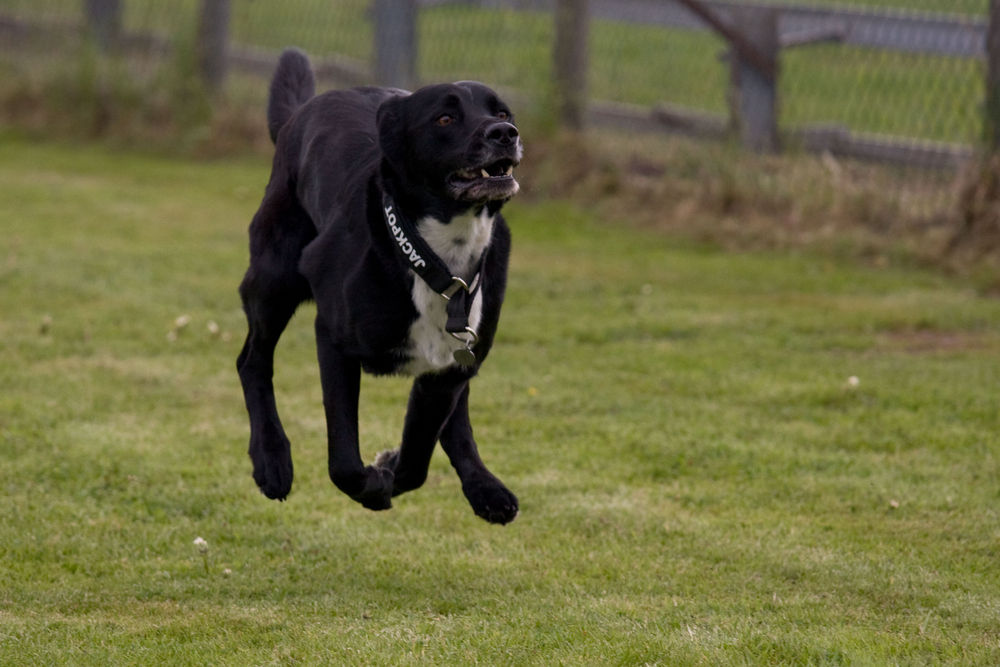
x: 488, y: 182
x: 499, y: 170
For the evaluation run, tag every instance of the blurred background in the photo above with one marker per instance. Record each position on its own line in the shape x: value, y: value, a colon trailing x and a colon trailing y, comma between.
x: 760, y: 124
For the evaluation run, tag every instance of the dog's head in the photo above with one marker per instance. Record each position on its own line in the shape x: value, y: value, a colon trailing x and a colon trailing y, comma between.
x: 457, y: 141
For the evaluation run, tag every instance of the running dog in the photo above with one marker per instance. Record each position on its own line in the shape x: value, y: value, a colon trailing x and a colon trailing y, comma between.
x: 383, y: 206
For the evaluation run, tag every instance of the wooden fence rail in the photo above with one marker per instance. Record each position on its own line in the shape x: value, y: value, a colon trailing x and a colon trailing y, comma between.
x: 913, y: 32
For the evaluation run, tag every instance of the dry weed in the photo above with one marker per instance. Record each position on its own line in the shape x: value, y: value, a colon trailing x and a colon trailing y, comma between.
x: 719, y: 194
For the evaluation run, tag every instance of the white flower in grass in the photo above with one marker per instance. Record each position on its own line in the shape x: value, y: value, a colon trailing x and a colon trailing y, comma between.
x: 179, y: 325
x: 213, y: 329
x: 853, y: 382
x: 203, y: 550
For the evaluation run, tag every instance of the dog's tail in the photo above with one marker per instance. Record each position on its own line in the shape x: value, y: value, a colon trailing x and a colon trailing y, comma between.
x: 292, y: 86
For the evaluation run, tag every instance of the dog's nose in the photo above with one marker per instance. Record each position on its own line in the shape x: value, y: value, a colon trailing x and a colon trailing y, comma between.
x: 502, y: 133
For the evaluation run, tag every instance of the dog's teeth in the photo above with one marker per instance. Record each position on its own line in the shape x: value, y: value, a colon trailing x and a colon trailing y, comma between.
x: 485, y: 173
x: 510, y: 170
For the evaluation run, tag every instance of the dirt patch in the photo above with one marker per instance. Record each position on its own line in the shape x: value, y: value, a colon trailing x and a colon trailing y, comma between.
x: 929, y: 341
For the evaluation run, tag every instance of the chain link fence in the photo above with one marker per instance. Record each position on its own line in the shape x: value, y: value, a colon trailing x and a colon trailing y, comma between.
x: 907, y: 94
x: 902, y: 84
x: 927, y: 96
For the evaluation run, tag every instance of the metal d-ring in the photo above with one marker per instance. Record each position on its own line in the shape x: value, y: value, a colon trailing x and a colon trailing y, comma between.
x: 457, y: 335
x: 457, y: 284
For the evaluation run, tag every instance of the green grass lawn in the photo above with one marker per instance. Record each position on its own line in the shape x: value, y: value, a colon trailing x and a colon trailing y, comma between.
x: 699, y: 484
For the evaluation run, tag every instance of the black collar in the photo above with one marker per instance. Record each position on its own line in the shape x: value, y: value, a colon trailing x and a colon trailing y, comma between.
x: 412, y: 247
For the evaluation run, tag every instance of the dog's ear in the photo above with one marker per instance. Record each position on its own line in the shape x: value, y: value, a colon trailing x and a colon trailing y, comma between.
x: 391, y: 130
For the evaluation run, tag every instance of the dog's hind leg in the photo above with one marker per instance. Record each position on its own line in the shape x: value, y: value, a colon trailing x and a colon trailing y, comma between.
x: 341, y: 378
x: 271, y: 291
x: 489, y: 498
x: 432, y: 400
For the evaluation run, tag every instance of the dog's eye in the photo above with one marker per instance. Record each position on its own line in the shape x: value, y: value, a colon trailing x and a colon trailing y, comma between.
x: 444, y: 120
x: 503, y: 115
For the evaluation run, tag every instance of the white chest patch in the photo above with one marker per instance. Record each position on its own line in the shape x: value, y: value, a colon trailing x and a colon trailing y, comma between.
x: 459, y: 244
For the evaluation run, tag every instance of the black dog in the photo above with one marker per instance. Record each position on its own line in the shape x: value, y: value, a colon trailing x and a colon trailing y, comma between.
x: 383, y: 206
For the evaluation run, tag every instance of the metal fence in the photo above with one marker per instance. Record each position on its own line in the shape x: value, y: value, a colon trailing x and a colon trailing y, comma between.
x: 909, y: 70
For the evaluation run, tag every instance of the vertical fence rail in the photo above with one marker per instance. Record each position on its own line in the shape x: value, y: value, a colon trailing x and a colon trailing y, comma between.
x: 991, y: 120
x: 571, y: 60
x: 213, y: 42
x: 754, y: 93
x: 104, y: 21
x: 395, y: 42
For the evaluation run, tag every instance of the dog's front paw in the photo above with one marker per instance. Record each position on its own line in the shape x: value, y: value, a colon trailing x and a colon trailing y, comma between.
x: 387, y: 459
x: 490, y: 499
x: 377, y: 492
x: 403, y: 480
x: 272, y: 467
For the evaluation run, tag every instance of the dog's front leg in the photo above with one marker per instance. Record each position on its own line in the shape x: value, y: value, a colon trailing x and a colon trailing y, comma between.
x: 432, y: 400
x: 341, y: 378
x: 490, y: 499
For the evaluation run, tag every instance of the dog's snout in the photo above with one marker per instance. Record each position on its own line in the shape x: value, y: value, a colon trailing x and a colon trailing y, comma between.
x: 502, y: 133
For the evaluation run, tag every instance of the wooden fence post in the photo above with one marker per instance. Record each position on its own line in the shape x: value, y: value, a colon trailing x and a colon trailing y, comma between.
x: 213, y: 43
x: 991, y: 129
x: 396, y: 42
x: 572, y: 18
x: 104, y: 21
x: 753, y: 93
